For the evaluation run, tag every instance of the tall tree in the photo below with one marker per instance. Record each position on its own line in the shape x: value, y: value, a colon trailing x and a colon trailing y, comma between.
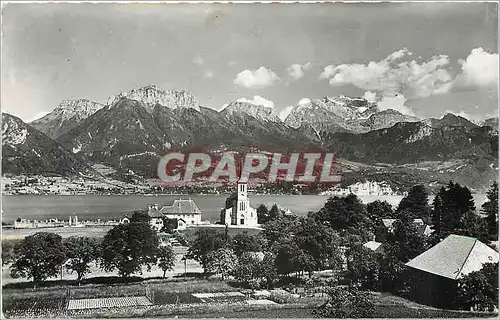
x: 39, y: 257
x: 363, y: 267
x: 438, y: 211
x: 166, y: 259
x: 129, y: 247
x: 206, y: 241
x: 456, y: 201
x: 490, y: 209
x: 406, y: 242
x: 275, y: 212
x: 81, y: 251
x: 262, y: 214
x: 416, y: 203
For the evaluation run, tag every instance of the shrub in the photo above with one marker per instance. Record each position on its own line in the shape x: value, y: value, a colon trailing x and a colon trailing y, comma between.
x: 346, y: 302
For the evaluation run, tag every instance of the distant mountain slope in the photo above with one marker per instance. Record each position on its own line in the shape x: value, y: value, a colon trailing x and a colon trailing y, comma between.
x: 27, y: 151
x: 408, y: 142
x: 131, y: 134
x: 69, y: 114
x: 450, y: 120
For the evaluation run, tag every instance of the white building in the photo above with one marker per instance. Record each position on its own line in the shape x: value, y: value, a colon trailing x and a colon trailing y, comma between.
x: 238, y: 210
x: 186, y: 212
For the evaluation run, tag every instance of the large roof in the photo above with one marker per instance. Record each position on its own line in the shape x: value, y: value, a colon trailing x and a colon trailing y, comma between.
x: 181, y: 206
x: 454, y: 257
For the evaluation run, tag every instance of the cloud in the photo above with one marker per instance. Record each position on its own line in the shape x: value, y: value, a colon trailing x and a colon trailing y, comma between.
x: 231, y: 63
x: 208, y: 74
x: 370, y: 96
x: 198, y: 61
x: 285, y: 112
x: 479, y: 69
x: 259, y: 78
x: 296, y: 71
x: 396, y: 102
x: 258, y: 100
x: 414, y: 78
x: 304, y: 101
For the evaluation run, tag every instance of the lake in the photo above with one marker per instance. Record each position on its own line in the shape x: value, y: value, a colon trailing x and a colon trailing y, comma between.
x: 92, y: 207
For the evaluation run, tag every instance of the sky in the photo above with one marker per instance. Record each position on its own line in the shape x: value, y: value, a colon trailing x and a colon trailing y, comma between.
x: 423, y: 59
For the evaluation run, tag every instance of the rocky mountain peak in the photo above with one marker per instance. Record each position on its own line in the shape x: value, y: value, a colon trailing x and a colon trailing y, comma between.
x: 14, y: 131
x: 152, y: 95
x: 80, y: 108
x: 258, y: 111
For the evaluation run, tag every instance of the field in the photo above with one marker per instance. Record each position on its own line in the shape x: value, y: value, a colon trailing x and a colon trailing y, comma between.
x: 185, y: 298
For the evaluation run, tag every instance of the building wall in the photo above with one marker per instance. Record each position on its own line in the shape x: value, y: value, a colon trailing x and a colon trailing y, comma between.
x: 191, y: 219
x: 156, y: 223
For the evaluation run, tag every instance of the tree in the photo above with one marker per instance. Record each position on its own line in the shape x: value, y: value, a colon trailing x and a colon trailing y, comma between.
x: 222, y: 261
x: 262, y: 214
x: 290, y: 257
x: 39, y: 257
x: 379, y: 210
x: 276, y: 229
x: 456, y: 201
x: 243, y: 242
x: 247, y: 269
x: 344, y: 212
x: 267, y: 269
x: 363, y: 267
x: 80, y: 251
x: 473, y: 225
x: 8, y: 252
x: 169, y: 225
x: 406, y: 242
x: 416, y: 203
x: 347, y: 302
x: 319, y: 242
x: 140, y: 216
x: 206, y: 242
x: 129, y: 247
x: 166, y: 258
x: 490, y: 209
x: 275, y: 212
x: 479, y: 289
x: 438, y: 211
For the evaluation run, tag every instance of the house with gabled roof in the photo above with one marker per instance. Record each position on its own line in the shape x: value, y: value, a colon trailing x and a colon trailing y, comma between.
x: 436, y: 271
x: 185, y: 211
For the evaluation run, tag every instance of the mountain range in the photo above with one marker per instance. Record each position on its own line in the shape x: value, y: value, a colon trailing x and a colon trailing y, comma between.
x: 133, y: 129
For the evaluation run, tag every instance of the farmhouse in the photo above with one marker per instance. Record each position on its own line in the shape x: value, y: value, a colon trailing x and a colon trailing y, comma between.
x: 185, y: 211
x: 436, y: 271
x: 238, y: 210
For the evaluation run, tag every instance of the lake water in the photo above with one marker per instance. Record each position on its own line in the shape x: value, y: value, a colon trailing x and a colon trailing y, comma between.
x: 112, y: 207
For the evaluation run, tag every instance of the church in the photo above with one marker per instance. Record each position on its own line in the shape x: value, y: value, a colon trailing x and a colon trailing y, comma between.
x: 238, y: 210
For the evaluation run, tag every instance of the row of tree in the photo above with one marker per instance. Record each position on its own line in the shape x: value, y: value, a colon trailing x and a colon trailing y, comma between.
x: 126, y: 248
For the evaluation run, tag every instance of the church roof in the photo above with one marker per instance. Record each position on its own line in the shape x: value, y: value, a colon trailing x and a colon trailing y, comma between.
x: 454, y: 257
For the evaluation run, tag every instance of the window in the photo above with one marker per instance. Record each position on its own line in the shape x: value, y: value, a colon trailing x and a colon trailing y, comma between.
x: 242, y: 221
